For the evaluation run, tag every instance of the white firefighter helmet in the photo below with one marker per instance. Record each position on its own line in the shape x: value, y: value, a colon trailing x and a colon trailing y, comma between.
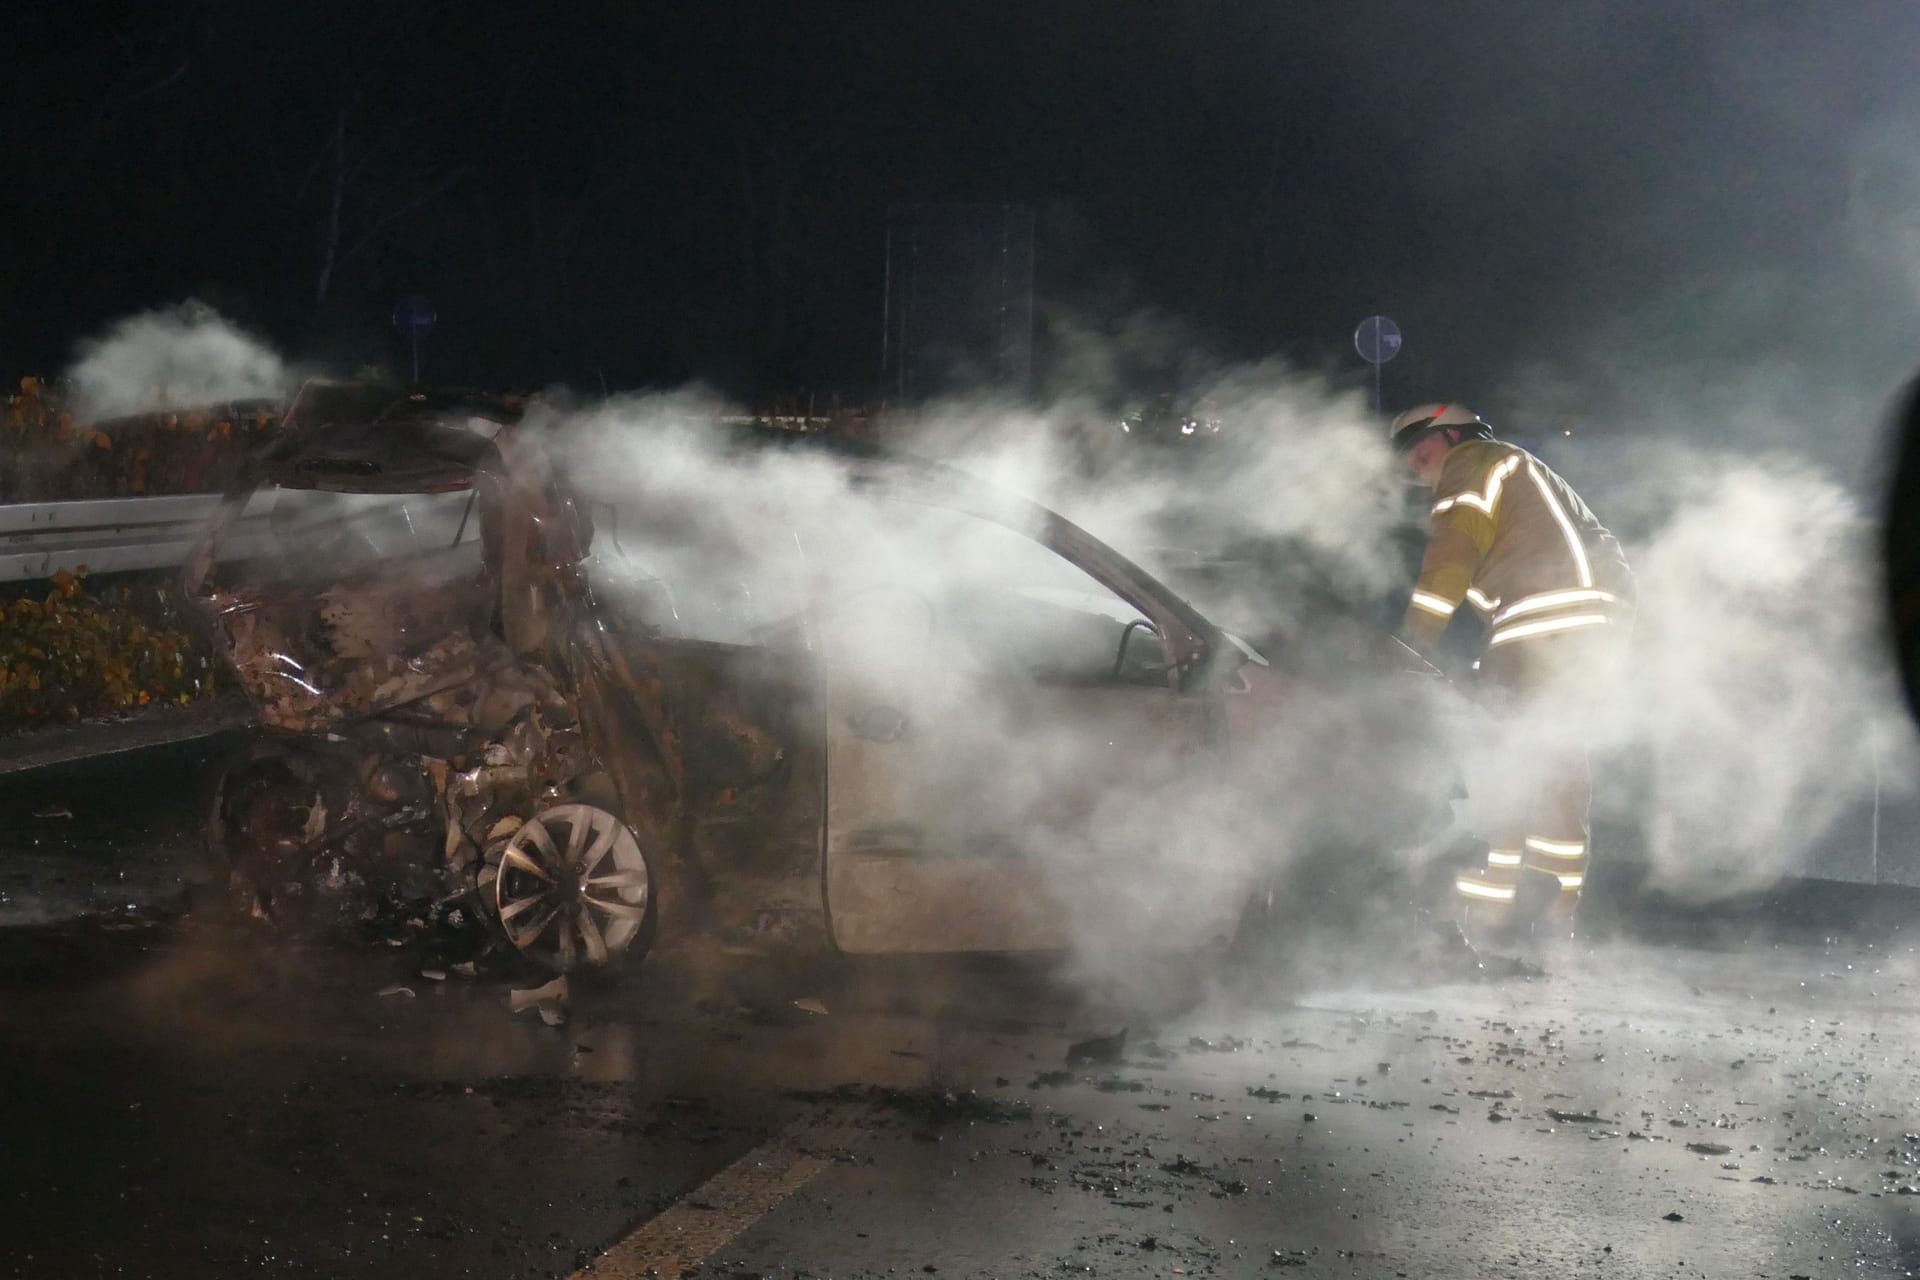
x: 1412, y: 426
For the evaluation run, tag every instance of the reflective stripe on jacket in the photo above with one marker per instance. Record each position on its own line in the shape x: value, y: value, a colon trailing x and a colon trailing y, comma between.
x: 1515, y: 541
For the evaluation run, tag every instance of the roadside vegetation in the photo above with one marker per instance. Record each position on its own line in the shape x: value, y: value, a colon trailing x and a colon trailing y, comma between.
x: 75, y: 647
x: 47, y: 454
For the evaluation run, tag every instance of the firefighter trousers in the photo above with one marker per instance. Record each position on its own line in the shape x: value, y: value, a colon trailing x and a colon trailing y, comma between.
x: 1544, y: 693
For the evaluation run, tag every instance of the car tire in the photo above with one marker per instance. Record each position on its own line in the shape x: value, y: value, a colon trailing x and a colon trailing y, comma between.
x: 571, y: 890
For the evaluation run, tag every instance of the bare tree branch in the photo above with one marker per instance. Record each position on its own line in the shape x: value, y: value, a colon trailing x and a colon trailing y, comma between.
x: 329, y: 254
x: 398, y: 212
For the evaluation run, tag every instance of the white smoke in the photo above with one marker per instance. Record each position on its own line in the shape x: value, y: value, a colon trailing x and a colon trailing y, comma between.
x: 170, y: 358
x: 1297, y: 461
x: 998, y: 654
x: 1759, y: 694
x: 1094, y: 803
x: 1753, y: 713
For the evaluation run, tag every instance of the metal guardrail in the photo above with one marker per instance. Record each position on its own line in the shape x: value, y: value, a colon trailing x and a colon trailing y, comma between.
x: 45, y: 748
x: 120, y: 535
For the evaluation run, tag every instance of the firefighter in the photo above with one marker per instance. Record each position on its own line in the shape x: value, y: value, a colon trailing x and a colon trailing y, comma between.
x: 1512, y: 541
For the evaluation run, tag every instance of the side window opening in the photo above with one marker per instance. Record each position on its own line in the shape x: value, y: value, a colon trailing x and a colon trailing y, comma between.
x: 688, y: 579
x: 1001, y: 599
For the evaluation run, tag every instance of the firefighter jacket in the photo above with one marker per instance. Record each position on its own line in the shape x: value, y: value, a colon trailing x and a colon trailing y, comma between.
x: 1515, y: 541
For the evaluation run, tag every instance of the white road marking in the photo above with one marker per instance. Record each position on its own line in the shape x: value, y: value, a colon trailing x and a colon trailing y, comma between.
x: 707, y: 1218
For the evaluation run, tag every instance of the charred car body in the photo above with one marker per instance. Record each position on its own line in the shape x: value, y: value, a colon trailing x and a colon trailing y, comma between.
x: 576, y: 703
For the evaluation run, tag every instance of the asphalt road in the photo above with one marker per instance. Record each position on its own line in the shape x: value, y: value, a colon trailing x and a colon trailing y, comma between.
x: 190, y: 1098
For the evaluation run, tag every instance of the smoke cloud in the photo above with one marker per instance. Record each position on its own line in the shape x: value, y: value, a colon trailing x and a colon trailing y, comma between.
x: 172, y: 358
x: 1761, y: 692
x: 1752, y: 716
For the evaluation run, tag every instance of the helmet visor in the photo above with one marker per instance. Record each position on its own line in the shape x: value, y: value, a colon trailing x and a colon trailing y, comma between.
x: 1412, y: 434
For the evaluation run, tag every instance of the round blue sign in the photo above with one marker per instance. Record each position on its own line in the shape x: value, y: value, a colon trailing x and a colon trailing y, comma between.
x: 414, y: 316
x: 1377, y: 340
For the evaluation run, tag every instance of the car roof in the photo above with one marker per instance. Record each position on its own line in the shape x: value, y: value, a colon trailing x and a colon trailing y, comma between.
x: 374, y: 438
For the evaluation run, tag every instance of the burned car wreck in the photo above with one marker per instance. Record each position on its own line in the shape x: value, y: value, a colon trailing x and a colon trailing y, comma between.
x: 571, y: 705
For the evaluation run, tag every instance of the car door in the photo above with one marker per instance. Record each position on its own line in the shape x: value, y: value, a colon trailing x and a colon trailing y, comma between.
x: 1009, y: 711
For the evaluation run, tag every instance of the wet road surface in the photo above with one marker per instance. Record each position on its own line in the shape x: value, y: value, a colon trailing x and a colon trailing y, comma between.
x: 191, y: 1102
x: 189, y: 1098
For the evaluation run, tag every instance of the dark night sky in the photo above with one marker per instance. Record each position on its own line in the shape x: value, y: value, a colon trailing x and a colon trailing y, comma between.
x: 1568, y: 200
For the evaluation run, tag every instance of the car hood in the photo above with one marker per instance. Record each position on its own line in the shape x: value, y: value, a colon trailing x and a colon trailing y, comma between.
x: 368, y: 438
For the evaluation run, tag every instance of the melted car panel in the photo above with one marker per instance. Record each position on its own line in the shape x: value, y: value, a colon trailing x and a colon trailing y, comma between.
x: 583, y: 722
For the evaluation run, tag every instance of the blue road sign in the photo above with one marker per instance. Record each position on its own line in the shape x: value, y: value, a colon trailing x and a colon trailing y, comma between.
x: 1377, y: 340
x: 414, y: 316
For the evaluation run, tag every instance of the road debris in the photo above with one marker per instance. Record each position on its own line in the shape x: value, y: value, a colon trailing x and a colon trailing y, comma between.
x: 929, y: 1105
x: 1101, y: 1049
x: 525, y: 998
x: 1225, y: 1044
x: 1575, y: 1117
